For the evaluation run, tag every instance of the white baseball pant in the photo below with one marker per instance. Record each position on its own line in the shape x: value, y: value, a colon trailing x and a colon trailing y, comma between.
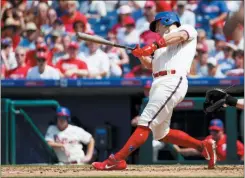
x: 166, y: 92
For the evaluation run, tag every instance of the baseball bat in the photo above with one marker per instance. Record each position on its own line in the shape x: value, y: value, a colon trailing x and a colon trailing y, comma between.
x: 100, y: 40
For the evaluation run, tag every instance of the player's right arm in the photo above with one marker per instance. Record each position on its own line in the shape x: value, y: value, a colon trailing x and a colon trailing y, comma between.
x: 187, y: 151
x: 55, y: 145
x: 49, y: 137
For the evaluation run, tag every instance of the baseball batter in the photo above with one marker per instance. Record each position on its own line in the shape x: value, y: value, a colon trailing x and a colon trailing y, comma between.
x: 171, y: 62
x: 67, y: 140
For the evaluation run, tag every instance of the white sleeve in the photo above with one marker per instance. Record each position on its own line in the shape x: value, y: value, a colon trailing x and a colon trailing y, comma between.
x: 83, y: 135
x: 190, y: 30
x: 50, y: 134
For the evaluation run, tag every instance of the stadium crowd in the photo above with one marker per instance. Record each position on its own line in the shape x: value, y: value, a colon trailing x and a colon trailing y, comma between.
x: 39, y: 38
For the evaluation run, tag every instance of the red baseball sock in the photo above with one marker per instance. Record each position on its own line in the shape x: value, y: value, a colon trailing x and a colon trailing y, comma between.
x: 139, y: 137
x: 181, y: 138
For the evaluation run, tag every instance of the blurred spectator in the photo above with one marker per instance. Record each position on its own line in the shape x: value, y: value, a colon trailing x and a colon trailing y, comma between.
x: 58, y: 25
x: 61, y: 9
x: 123, y: 11
x: 16, y: 15
x: 227, y: 63
x: 202, y: 57
x: 58, y: 53
x: 234, y: 27
x: 55, y: 37
x: 7, y: 54
x: 139, y: 71
x: 118, y: 56
x: 213, y: 68
x: 30, y: 35
x: 136, y: 5
x: 51, y: 19
x: 98, y: 62
x: 216, y: 130
x: 79, y: 26
x: 193, y: 70
x: 192, y: 5
x: 93, y: 9
x: 21, y: 70
x: 218, y: 52
x: 72, y: 67
x: 129, y: 34
x: 143, y: 23
x: 163, y: 5
x: 52, y: 16
x: 10, y: 29
x: 66, y: 41
x: 42, y: 70
x: 3, y: 71
x: 72, y: 15
x: 239, y: 62
x: 185, y: 16
x: 233, y: 6
x: 213, y: 14
x: 111, y: 5
x: 234, y: 23
x: 40, y: 47
x: 202, y: 39
x: 42, y: 14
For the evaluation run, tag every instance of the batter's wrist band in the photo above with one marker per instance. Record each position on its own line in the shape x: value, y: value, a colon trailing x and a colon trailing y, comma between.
x: 231, y: 101
x: 161, y: 43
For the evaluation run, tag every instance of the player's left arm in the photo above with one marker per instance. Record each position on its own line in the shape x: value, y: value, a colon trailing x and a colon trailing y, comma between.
x: 90, y: 149
x: 176, y: 37
x: 87, y: 138
x: 185, y: 33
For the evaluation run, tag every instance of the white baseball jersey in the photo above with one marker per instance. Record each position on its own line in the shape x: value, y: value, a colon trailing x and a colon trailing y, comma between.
x: 169, y: 90
x: 98, y: 62
x: 72, y: 137
x: 49, y: 73
x: 178, y: 57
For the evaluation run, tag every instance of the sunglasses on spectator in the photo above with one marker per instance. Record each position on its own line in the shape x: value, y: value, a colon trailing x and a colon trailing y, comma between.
x: 38, y: 42
x: 41, y: 60
x: 19, y: 54
x: 227, y: 49
x: 129, y: 25
x: 41, y: 50
x: 30, y: 31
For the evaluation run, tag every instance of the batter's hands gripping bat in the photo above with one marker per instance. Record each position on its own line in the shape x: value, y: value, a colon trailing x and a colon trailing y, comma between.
x: 100, y: 40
